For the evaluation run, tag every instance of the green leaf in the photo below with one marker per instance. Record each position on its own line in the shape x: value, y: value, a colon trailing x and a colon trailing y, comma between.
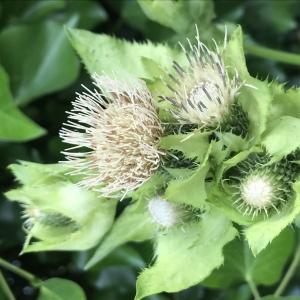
x: 255, y: 100
x: 15, y: 126
x: 223, y: 202
x: 133, y: 15
x: 46, y: 63
x: 192, y: 145
x: 102, y: 53
x: 60, y: 289
x: 90, y: 13
x: 260, y: 234
x: 134, y: 224
x: 282, y: 136
x: 64, y: 216
x: 185, y: 257
x: 179, y: 15
x: 285, y: 103
x: 240, y: 265
x: 191, y: 190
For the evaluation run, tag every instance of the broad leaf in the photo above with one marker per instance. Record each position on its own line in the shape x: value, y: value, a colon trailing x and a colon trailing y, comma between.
x: 179, y: 15
x: 240, y: 265
x: 285, y: 102
x: 193, y: 145
x: 282, y: 136
x: 62, y: 215
x: 46, y: 63
x: 60, y: 289
x: 101, y: 53
x: 185, y: 256
x: 259, y: 235
x: 190, y: 190
x: 255, y: 100
x: 134, y: 224
x: 15, y: 126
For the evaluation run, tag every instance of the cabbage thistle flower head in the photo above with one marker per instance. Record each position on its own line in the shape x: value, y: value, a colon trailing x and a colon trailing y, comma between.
x: 258, y: 193
x: 114, y: 130
x: 202, y: 92
x: 264, y: 187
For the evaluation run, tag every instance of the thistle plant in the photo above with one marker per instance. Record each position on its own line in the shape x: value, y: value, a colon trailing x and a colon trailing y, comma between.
x: 237, y: 174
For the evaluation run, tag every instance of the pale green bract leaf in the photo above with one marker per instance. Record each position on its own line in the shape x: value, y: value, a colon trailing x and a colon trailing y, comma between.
x: 179, y: 15
x: 260, y: 234
x: 282, y: 136
x: 255, y: 100
x: 15, y: 126
x: 191, y: 190
x: 240, y: 265
x: 193, y: 145
x: 46, y: 63
x: 223, y: 202
x: 134, y: 224
x: 66, y: 217
x: 60, y: 289
x: 101, y: 53
x: 185, y: 256
x: 285, y: 103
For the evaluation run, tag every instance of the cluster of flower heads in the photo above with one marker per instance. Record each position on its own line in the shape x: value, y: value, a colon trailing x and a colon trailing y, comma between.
x: 115, y: 130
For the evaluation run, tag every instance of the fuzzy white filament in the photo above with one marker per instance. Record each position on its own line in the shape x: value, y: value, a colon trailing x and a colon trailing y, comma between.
x: 257, y: 192
x: 115, y: 130
x: 164, y: 213
x: 202, y: 92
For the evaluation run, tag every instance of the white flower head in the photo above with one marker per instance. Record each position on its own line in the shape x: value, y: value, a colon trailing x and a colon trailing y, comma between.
x: 260, y: 192
x: 115, y: 131
x: 202, y: 92
x: 164, y: 213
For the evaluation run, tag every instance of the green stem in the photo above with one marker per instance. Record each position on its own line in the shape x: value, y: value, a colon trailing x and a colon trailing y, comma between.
x: 277, y: 55
x: 5, y: 288
x: 253, y: 289
x: 290, y: 272
x: 24, y: 274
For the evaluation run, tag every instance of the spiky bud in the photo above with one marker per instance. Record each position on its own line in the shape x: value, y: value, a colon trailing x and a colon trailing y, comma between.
x: 261, y: 186
x: 202, y: 92
x: 115, y: 130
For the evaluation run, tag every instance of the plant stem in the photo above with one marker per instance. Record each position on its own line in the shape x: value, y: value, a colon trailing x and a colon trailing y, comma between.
x: 290, y: 272
x: 24, y: 274
x: 253, y: 289
x: 5, y: 288
x: 277, y: 55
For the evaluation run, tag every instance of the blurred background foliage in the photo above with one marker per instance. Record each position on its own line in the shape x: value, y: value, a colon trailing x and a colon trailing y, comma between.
x: 39, y: 76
